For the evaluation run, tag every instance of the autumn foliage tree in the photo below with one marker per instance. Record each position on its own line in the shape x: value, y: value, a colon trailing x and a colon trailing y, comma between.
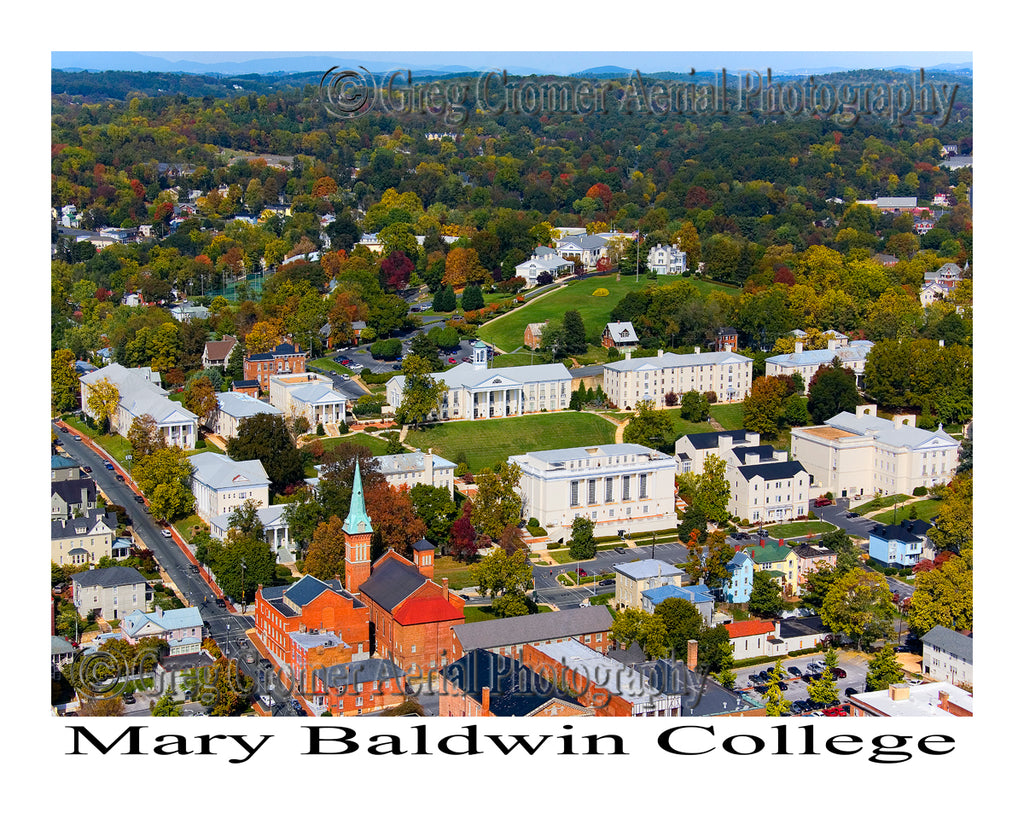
x: 394, y: 517
x: 463, y: 267
x: 325, y: 557
x: 464, y: 536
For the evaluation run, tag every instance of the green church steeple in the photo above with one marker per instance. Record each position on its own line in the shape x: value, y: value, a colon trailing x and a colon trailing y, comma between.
x: 357, y: 522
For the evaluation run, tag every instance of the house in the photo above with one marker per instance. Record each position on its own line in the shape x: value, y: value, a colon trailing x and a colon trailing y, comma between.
x: 246, y: 387
x: 898, y: 545
x: 938, y: 699
x: 275, y: 530
x: 779, y: 560
x: 307, y: 395
x: 310, y: 606
x: 750, y: 638
x: 186, y: 311
x: 532, y: 268
x: 78, y: 541
x: 72, y: 498
x: 948, y: 655
x: 632, y: 380
x: 700, y: 596
x: 533, y: 334
x: 767, y: 491
x: 932, y: 292
x: 472, y: 390
x: 853, y: 454
x: 666, y: 259
x: 354, y: 688
x: 140, y: 393
x: 893, y: 204
x: 484, y: 684
x: 110, y: 592
x: 61, y: 654
x: 806, y: 363
x: 233, y: 408
x: 692, y: 449
x: 410, y: 615
x: 220, y: 485
x: 311, y: 650
x: 181, y: 628
x: 939, y: 284
x: 885, y: 259
x: 741, y: 578
x: 63, y: 468
x: 620, y: 335
x: 812, y: 556
x: 217, y: 353
x: 588, y: 625
x: 618, y: 486
x: 797, y: 633
x: 284, y: 358
x: 409, y: 469
x: 633, y: 579
x: 583, y: 248
x: 727, y: 339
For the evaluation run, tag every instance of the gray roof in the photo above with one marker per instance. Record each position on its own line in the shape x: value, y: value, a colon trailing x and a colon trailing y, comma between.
x: 772, y: 470
x: 468, y: 375
x: 887, y: 432
x: 669, y: 360
x: 855, y: 351
x: 71, y: 491
x: 621, y: 331
x: 58, y: 645
x: 801, y: 627
x: 952, y: 642
x: 60, y: 462
x: 218, y: 471
x: 69, y: 528
x: 140, y: 395
x: 642, y: 569
x: 531, y: 627
x: 109, y: 578
x: 408, y: 462
x: 390, y: 582
x: 243, y: 405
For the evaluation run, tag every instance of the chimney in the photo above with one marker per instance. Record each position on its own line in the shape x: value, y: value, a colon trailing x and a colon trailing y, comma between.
x: 485, y: 701
x: 944, y: 700
x: 833, y: 343
x: 158, y: 611
x: 691, y: 655
x: 798, y: 348
x: 899, y: 693
x: 444, y: 587
x: 696, y: 350
x: 661, y: 353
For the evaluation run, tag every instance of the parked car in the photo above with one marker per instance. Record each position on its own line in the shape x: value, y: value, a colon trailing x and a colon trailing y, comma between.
x: 583, y: 573
x: 139, y: 499
x: 823, y: 501
x: 838, y: 673
x: 108, y: 464
x: 849, y: 692
x: 87, y: 468
x: 608, y: 581
x: 77, y: 437
x: 165, y: 533
x: 221, y: 604
x: 466, y: 359
x: 120, y: 477
x: 620, y: 550
x: 128, y: 698
x: 796, y: 672
x: 783, y: 686
x: 761, y: 689
x: 852, y: 515
x: 451, y: 359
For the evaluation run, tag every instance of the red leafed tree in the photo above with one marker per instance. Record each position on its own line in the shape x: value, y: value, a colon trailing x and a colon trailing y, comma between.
x: 784, y: 276
x: 393, y: 517
x: 396, y: 270
x: 137, y: 188
x: 163, y: 212
x: 601, y: 192
x: 604, y: 264
x: 463, y: 538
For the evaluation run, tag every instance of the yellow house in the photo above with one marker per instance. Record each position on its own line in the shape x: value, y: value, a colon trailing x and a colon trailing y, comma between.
x: 777, y: 557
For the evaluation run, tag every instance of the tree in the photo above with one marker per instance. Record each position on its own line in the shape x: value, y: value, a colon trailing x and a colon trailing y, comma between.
x: 435, y: 507
x: 265, y: 438
x: 165, y: 707
x: 500, y: 573
x: 396, y: 270
x: 775, y: 704
x: 581, y: 544
x: 823, y: 690
x: 833, y: 389
x: 393, y: 516
x: 943, y: 597
x: 100, y: 706
x: 498, y: 501
x: 201, y: 399
x: 648, y: 427
x: 472, y: 298
x: 847, y: 553
x: 794, y: 412
x: 241, y: 563
x: 711, y: 494
x: 683, y: 623
x: 444, y: 300
x: 246, y: 519
x: 165, y: 477
x: 421, y: 393
x: 693, y: 407
x: 574, y: 335
x: 765, y: 596
x: 714, y: 651
x: 884, y: 669
x: 954, y: 523
x: 236, y: 363
x: 707, y: 564
x: 65, y: 392
x: 859, y: 605
x: 462, y: 267
x: 325, y: 557
x: 102, y: 400
x: 145, y: 436
x: 648, y: 630
x: 464, y: 536
x: 763, y: 410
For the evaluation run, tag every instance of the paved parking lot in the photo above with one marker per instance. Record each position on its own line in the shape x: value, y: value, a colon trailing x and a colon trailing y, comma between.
x: 796, y: 688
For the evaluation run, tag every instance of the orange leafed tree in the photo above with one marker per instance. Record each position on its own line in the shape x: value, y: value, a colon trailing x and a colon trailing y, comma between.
x: 394, y: 518
x: 463, y: 267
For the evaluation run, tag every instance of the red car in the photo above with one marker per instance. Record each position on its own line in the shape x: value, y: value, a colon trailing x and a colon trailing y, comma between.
x: 583, y: 573
x: 823, y: 502
x: 451, y: 360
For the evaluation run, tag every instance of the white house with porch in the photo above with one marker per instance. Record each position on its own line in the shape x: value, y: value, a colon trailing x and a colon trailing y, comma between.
x: 535, y: 265
x: 475, y: 391
x: 308, y: 395
x: 275, y: 530
x: 235, y: 407
x: 220, y: 485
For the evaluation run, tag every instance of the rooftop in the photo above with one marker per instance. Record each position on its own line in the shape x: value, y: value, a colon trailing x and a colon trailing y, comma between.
x: 533, y: 627
x: 647, y: 568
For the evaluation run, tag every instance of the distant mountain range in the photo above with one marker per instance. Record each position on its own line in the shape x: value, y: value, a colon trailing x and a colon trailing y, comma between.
x: 292, y: 63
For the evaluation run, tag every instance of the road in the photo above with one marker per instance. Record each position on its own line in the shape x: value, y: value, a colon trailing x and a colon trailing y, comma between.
x: 227, y: 629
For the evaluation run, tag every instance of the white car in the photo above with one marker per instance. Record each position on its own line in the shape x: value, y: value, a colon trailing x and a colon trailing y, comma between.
x: 165, y: 532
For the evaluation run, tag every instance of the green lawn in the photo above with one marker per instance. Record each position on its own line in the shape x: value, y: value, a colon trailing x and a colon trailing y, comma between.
x: 117, y: 446
x: 329, y: 364
x: 459, y: 575
x: 489, y: 442
x: 799, y: 528
x: 506, y: 332
x: 377, y: 446
x: 926, y: 510
x: 879, y: 503
x: 730, y: 416
x: 474, y: 614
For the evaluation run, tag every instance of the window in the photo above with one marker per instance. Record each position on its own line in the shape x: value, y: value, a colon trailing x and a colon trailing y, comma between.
x: 574, y: 493
x: 643, y: 484
x: 608, y: 491
x: 592, y: 491
x: 625, y: 487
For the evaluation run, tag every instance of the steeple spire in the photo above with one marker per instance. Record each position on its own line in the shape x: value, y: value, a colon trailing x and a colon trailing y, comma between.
x: 357, y: 522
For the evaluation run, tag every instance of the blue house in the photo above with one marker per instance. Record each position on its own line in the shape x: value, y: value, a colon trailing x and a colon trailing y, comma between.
x: 699, y: 595
x: 737, y: 588
x: 898, y: 545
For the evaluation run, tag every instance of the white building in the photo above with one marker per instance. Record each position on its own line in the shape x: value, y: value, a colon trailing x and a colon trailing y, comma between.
x: 411, y: 469
x: 666, y: 259
x: 631, y: 380
x: 275, y: 530
x: 221, y: 485
x: 617, y: 486
x: 634, y: 578
x: 861, y: 454
x: 535, y: 265
x: 807, y: 362
x: 140, y: 393
x: 583, y: 248
x: 235, y: 407
x: 948, y: 655
x: 474, y: 391
x: 309, y: 395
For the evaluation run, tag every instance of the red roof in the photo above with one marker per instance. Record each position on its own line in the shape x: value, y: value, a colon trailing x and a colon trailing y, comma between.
x: 748, y: 628
x: 428, y: 610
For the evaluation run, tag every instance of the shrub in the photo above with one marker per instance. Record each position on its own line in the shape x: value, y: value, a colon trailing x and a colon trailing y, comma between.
x: 343, y: 428
x: 320, y: 428
x: 919, y: 491
x: 533, y: 522
x: 601, y: 291
x: 613, y: 354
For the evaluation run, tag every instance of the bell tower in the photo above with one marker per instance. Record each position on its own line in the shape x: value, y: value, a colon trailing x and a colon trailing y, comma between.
x: 358, y: 532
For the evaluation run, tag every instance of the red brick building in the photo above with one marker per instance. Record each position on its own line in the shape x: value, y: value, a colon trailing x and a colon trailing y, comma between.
x: 250, y: 388
x: 355, y: 688
x: 726, y: 340
x: 284, y: 358
x: 410, y: 615
x: 312, y: 607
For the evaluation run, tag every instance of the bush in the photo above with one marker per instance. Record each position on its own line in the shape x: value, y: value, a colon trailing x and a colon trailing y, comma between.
x: 343, y: 428
x: 320, y: 428
x: 919, y: 491
x: 601, y: 291
x: 613, y: 354
x: 533, y: 522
